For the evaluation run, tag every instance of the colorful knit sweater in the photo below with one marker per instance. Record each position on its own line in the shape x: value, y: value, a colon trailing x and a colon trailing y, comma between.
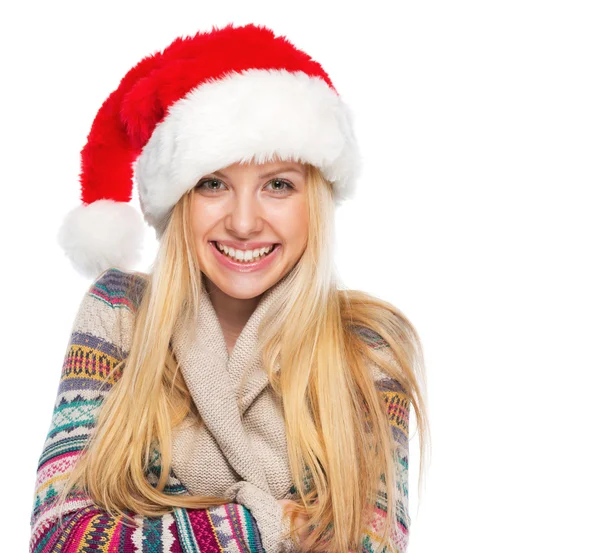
x: 99, y: 340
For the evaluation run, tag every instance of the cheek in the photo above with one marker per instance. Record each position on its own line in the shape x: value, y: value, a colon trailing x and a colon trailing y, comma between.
x: 293, y: 224
x: 202, y: 218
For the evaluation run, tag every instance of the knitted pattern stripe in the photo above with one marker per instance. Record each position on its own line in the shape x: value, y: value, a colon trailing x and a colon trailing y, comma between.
x: 100, y: 339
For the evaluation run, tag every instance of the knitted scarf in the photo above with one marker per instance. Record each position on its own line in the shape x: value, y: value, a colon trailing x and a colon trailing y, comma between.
x: 240, y: 450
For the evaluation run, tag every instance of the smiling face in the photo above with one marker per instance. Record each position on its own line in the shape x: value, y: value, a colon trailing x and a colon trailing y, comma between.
x: 250, y: 224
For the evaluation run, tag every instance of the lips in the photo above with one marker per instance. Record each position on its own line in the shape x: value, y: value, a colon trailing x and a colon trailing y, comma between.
x: 245, y: 266
x: 245, y: 246
x: 273, y: 246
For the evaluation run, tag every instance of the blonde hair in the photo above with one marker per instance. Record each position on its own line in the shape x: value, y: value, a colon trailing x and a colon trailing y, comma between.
x: 335, y: 419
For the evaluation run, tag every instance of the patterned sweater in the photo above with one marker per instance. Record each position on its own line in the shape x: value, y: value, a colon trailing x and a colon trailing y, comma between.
x: 99, y: 340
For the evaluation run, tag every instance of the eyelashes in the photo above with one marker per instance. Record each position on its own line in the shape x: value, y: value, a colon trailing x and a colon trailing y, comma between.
x: 287, y: 185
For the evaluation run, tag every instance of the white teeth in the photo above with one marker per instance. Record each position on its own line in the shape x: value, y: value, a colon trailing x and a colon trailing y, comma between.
x: 247, y: 255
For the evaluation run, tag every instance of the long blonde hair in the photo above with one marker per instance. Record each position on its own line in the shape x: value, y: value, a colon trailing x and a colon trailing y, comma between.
x: 336, y: 422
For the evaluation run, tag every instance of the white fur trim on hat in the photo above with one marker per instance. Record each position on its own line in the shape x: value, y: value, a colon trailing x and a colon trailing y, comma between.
x: 252, y: 115
x: 101, y: 235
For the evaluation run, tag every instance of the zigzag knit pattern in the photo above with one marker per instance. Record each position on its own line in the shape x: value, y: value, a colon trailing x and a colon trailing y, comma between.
x: 96, y: 346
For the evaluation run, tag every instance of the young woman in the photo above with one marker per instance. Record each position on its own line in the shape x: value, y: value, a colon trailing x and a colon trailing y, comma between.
x: 235, y: 398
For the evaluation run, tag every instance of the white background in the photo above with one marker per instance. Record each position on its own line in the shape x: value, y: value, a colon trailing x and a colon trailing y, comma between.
x: 476, y: 215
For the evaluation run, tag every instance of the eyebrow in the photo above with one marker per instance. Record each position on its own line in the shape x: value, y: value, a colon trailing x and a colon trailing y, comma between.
x: 268, y: 174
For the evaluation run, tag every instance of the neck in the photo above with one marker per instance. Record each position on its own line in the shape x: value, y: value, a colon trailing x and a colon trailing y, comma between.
x: 233, y: 313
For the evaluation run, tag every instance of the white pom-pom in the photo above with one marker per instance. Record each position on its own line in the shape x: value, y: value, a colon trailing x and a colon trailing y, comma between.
x: 101, y: 235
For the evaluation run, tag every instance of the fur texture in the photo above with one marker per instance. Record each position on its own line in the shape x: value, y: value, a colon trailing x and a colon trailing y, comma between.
x: 247, y: 116
x: 100, y: 235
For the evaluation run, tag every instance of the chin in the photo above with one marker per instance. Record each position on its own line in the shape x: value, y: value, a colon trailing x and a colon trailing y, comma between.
x: 242, y: 286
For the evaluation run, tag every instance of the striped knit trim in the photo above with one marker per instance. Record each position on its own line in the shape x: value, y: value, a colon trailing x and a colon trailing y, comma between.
x: 119, y: 289
x: 186, y: 534
x: 88, y: 362
x: 226, y: 524
x: 98, y: 529
x: 187, y: 539
x: 372, y: 338
x: 398, y: 408
x: 253, y: 531
x: 58, y: 539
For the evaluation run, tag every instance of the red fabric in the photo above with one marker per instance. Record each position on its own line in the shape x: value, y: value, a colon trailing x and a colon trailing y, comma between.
x: 130, y: 114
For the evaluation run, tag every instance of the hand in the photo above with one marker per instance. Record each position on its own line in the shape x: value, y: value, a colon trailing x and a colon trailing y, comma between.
x: 300, y: 519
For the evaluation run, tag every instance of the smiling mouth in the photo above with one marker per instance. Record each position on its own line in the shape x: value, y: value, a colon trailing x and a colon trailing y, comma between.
x: 245, y: 256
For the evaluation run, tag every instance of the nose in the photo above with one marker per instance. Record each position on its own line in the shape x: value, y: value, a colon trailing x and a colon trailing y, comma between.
x: 245, y: 214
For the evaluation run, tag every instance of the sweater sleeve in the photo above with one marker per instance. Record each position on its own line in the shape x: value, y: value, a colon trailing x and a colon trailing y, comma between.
x: 268, y: 513
x: 398, y: 409
x: 98, y: 342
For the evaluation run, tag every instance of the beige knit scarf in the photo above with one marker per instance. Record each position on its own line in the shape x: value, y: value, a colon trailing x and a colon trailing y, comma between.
x: 240, y: 450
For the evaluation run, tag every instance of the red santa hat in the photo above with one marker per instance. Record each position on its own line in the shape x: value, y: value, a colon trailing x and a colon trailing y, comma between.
x: 234, y: 94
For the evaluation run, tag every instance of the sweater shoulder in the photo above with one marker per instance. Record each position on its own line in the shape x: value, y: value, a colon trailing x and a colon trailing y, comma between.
x: 384, y: 383
x: 370, y: 337
x: 106, y: 316
x: 119, y: 289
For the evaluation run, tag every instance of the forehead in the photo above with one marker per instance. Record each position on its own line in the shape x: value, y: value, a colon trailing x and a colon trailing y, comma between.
x: 264, y: 169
